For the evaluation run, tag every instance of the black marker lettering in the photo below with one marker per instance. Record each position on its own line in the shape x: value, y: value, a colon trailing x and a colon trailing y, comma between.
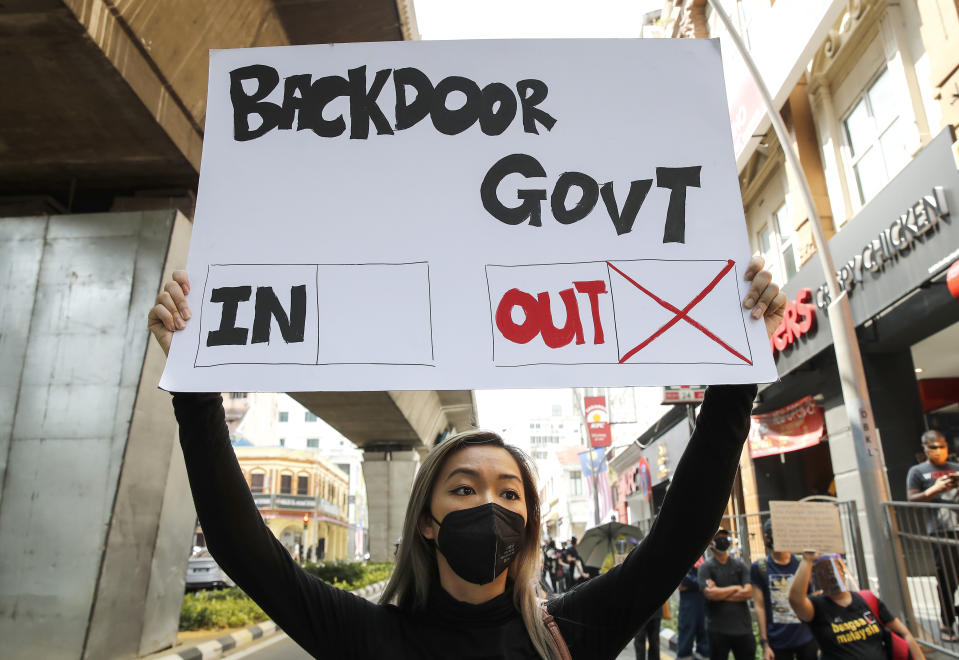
x: 268, y: 307
x: 531, y: 206
x: 245, y: 105
x: 677, y: 179
x: 228, y: 334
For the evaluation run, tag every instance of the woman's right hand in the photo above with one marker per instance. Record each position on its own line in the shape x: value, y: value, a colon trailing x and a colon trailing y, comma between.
x: 171, y: 311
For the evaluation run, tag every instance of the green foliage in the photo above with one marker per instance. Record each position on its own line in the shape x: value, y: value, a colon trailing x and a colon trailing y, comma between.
x: 231, y: 608
x: 350, y: 575
x: 225, y: 608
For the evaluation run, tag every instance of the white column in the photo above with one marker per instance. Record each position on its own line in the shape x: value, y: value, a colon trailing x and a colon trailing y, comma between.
x: 389, y: 479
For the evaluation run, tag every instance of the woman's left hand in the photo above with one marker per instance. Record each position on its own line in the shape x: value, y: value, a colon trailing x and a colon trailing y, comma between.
x: 764, y: 296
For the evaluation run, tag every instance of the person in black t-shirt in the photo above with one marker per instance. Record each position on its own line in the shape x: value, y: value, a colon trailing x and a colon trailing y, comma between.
x: 841, y: 620
x: 937, y: 480
x: 724, y: 581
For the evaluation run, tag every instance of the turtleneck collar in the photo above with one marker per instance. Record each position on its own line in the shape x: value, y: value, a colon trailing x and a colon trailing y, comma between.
x: 446, y: 610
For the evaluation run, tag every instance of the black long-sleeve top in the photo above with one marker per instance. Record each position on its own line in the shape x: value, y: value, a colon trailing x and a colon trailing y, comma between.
x: 597, y: 619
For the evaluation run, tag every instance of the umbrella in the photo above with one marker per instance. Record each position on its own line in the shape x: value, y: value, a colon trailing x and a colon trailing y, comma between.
x: 600, y: 541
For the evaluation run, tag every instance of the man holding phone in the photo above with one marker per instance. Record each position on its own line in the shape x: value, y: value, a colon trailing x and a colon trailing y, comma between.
x: 936, y: 480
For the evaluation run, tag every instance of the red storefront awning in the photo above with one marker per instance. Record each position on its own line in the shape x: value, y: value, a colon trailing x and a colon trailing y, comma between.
x: 797, y: 426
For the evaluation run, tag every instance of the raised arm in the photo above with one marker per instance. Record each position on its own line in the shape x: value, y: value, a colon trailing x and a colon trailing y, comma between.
x: 327, y: 622
x: 600, y: 617
x: 799, y: 590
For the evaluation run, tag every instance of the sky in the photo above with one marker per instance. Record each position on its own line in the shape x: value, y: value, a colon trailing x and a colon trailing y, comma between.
x: 519, y: 19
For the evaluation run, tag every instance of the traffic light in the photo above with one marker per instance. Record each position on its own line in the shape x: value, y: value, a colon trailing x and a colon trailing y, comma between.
x: 306, y: 520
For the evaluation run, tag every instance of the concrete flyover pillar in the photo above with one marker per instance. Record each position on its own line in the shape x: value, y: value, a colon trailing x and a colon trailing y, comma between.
x: 389, y: 479
x: 95, y: 512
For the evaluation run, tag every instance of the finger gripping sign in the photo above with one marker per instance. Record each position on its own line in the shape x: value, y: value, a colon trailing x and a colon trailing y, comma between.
x: 458, y: 215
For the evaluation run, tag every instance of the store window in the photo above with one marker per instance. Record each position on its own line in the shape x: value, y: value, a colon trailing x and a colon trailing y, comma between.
x: 302, y: 485
x: 286, y: 484
x: 575, y: 483
x: 777, y: 241
x: 256, y: 482
x: 877, y: 136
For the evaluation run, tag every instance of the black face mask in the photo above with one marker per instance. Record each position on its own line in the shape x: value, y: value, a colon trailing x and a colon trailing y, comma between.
x: 481, y: 542
x: 722, y: 544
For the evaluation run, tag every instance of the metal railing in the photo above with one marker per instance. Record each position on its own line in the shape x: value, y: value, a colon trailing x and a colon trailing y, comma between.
x: 747, y: 532
x: 926, y: 545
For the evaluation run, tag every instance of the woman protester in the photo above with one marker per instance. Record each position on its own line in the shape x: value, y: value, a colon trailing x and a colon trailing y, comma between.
x: 848, y: 625
x: 465, y: 581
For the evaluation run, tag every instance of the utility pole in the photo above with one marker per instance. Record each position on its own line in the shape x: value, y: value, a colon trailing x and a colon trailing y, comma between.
x: 855, y: 393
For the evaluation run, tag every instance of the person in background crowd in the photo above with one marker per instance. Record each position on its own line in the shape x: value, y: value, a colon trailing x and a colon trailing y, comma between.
x: 691, y: 626
x: 844, y: 624
x: 549, y: 564
x: 724, y: 581
x: 649, y: 633
x: 576, y: 573
x: 782, y: 635
x: 936, y: 480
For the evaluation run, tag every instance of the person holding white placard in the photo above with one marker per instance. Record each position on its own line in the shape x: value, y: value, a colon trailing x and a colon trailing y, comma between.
x: 465, y: 583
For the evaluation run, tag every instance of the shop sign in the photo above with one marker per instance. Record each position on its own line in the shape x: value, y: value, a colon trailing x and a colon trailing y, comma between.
x: 597, y: 421
x: 952, y: 280
x: 799, y: 318
x: 797, y: 426
x: 263, y: 501
x: 683, y: 394
x: 893, y: 242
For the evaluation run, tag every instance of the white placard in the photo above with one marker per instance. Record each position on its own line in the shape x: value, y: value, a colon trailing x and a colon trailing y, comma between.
x: 460, y: 215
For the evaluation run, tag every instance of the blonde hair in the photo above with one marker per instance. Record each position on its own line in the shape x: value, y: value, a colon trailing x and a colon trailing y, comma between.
x: 415, y: 567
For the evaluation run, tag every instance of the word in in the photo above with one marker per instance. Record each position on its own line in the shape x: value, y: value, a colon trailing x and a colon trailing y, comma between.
x: 266, y: 308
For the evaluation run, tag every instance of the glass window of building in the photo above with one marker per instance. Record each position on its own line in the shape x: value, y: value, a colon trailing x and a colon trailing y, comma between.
x: 284, y: 416
x: 237, y: 395
x: 309, y: 417
x: 256, y: 482
x: 286, y: 484
x: 877, y: 136
x: 283, y: 442
x: 302, y: 485
x: 576, y: 483
x: 777, y: 244
x: 312, y: 443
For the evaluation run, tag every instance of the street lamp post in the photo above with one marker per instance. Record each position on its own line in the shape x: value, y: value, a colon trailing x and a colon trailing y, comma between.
x: 852, y: 376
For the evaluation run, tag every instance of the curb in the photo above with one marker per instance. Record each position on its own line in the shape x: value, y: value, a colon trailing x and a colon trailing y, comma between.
x: 217, y: 647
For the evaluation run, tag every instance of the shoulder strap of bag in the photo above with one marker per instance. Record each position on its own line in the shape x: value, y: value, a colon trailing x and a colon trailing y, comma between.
x: 557, y: 636
x: 900, y: 647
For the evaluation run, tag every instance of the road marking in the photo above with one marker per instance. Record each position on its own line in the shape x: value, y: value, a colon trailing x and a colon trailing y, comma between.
x: 273, y: 639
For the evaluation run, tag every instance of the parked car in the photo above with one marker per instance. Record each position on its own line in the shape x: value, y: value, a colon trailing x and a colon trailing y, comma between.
x: 202, y: 572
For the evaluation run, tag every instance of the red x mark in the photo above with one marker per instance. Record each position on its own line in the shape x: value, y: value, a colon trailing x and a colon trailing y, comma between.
x: 681, y: 314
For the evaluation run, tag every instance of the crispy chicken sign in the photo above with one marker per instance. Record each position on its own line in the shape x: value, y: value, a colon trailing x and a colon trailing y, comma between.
x: 453, y: 215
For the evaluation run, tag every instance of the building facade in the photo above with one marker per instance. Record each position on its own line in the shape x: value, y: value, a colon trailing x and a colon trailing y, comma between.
x: 867, y: 90
x: 303, y: 497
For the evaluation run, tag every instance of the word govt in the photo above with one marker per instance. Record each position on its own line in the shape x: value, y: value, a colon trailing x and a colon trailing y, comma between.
x: 304, y: 99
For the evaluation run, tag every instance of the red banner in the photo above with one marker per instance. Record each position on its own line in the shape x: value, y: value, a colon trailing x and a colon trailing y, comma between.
x: 597, y: 421
x: 797, y: 426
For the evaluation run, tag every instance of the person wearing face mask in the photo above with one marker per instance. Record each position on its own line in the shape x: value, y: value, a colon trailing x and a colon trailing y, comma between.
x: 724, y: 581
x: 782, y: 635
x: 845, y: 625
x: 465, y: 582
x: 936, y: 480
